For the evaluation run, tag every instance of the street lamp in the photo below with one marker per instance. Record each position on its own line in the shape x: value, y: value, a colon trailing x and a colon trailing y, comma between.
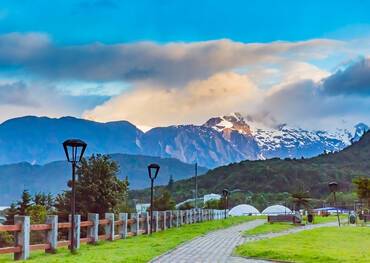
x: 225, y: 193
x: 74, y: 150
x: 153, y: 170
x: 333, y: 187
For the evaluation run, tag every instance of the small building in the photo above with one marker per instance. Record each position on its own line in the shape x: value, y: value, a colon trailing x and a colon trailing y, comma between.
x: 244, y: 210
x: 141, y: 208
x: 2, y: 220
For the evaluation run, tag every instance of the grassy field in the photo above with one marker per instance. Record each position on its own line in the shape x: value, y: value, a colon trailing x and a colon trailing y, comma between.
x: 269, y: 228
x: 135, y: 249
x: 327, y: 244
x: 282, y: 226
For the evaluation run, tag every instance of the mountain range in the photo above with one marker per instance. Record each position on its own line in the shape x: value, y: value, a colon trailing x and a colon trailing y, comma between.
x: 220, y: 141
x: 276, y: 176
x: 52, y: 177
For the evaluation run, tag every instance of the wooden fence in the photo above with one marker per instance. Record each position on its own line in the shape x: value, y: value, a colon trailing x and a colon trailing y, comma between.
x: 126, y: 225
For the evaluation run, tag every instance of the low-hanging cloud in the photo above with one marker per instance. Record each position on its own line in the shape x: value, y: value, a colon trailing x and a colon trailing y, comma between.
x: 353, y: 80
x: 153, y: 106
x: 173, y: 63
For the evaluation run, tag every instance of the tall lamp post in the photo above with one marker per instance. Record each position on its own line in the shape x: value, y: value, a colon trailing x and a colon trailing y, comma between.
x: 225, y: 193
x: 153, y: 170
x: 333, y: 186
x: 74, y: 150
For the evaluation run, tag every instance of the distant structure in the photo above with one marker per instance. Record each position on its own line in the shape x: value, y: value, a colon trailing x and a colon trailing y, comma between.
x: 210, y: 197
x: 141, y: 208
x: 277, y: 210
x: 244, y: 210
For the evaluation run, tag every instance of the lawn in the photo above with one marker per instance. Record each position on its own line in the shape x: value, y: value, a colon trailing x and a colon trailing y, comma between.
x: 270, y: 228
x: 327, y: 244
x: 282, y: 226
x: 135, y: 249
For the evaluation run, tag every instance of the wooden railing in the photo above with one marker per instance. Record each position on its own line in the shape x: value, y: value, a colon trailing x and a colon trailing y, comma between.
x: 126, y: 225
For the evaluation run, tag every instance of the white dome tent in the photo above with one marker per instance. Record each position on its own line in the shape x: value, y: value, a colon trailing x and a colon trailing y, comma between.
x: 244, y: 210
x: 277, y: 210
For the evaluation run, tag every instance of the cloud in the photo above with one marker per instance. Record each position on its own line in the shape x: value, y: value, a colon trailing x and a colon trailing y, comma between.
x: 353, y: 80
x: 153, y: 106
x: 169, y: 64
x: 323, y: 103
x: 41, y: 99
x: 16, y: 93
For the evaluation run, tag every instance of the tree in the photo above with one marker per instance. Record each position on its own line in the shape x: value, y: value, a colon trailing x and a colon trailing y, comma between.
x: 363, y: 189
x: 213, y: 204
x: 164, y: 202
x: 24, y: 203
x: 10, y: 213
x: 300, y: 199
x: 98, y: 190
x: 170, y: 183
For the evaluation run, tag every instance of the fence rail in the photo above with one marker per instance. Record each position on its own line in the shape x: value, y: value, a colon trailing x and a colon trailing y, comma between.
x: 126, y: 225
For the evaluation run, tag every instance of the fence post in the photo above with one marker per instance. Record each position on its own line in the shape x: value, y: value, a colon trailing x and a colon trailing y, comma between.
x: 93, y: 231
x: 187, y: 216
x: 155, y: 214
x: 77, y: 232
x: 147, y: 222
x: 109, y: 228
x: 170, y: 215
x: 164, y: 220
x: 22, y: 238
x: 177, y: 218
x: 122, y: 229
x: 52, y: 234
x: 134, y: 226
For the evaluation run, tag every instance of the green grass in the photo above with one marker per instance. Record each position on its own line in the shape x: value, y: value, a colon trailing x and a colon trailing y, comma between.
x: 327, y: 244
x: 270, y: 228
x: 135, y: 249
x: 328, y: 219
x: 282, y: 226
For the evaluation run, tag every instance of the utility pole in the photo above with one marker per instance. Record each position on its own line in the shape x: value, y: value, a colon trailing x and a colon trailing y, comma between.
x: 196, y: 184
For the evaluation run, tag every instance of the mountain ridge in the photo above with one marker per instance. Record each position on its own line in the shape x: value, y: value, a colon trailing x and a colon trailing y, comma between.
x: 219, y: 141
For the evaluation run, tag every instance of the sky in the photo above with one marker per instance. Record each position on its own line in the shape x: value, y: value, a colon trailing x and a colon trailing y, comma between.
x: 168, y: 62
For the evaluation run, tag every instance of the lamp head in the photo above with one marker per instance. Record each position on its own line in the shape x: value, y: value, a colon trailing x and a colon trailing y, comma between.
x: 153, y: 170
x: 74, y: 149
x: 333, y: 186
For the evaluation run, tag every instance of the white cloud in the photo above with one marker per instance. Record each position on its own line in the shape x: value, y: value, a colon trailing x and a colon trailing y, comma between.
x: 159, y: 105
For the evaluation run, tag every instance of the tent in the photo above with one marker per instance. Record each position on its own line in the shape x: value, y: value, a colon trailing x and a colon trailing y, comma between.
x: 276, y: 210
x: 244, y: 209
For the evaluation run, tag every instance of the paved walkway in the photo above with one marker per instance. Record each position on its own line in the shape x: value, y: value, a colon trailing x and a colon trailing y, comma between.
x: 217, y: 246
x: 214, y: 247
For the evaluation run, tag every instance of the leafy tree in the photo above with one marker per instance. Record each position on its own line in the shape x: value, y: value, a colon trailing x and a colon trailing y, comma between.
x: 300, y: 199
x: 187, y: 206
x: 363, y: 189
x: 213, y: 204
x: 164, y: 202
x: 10, y: 213
x: 25, y: 202
x: 170, y: 183
x: 98, y: 190
x: 37, y: 214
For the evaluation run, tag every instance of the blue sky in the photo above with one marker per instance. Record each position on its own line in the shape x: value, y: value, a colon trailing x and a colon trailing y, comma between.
x: 113, y: 21
x: 157, y: 62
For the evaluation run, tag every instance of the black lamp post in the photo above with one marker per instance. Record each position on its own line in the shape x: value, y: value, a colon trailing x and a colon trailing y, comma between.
x: 333, y: 186
x: 225, y: 193
x: 153, y: 170
x: 74, y: 150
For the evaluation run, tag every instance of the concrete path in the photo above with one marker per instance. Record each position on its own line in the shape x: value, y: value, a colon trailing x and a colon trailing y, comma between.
x: 214, y: 247
x: 217, y: 246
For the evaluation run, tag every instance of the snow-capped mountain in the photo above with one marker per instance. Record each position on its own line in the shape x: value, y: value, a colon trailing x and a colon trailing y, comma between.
x: 261, y: 142
x: 220, y: 141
